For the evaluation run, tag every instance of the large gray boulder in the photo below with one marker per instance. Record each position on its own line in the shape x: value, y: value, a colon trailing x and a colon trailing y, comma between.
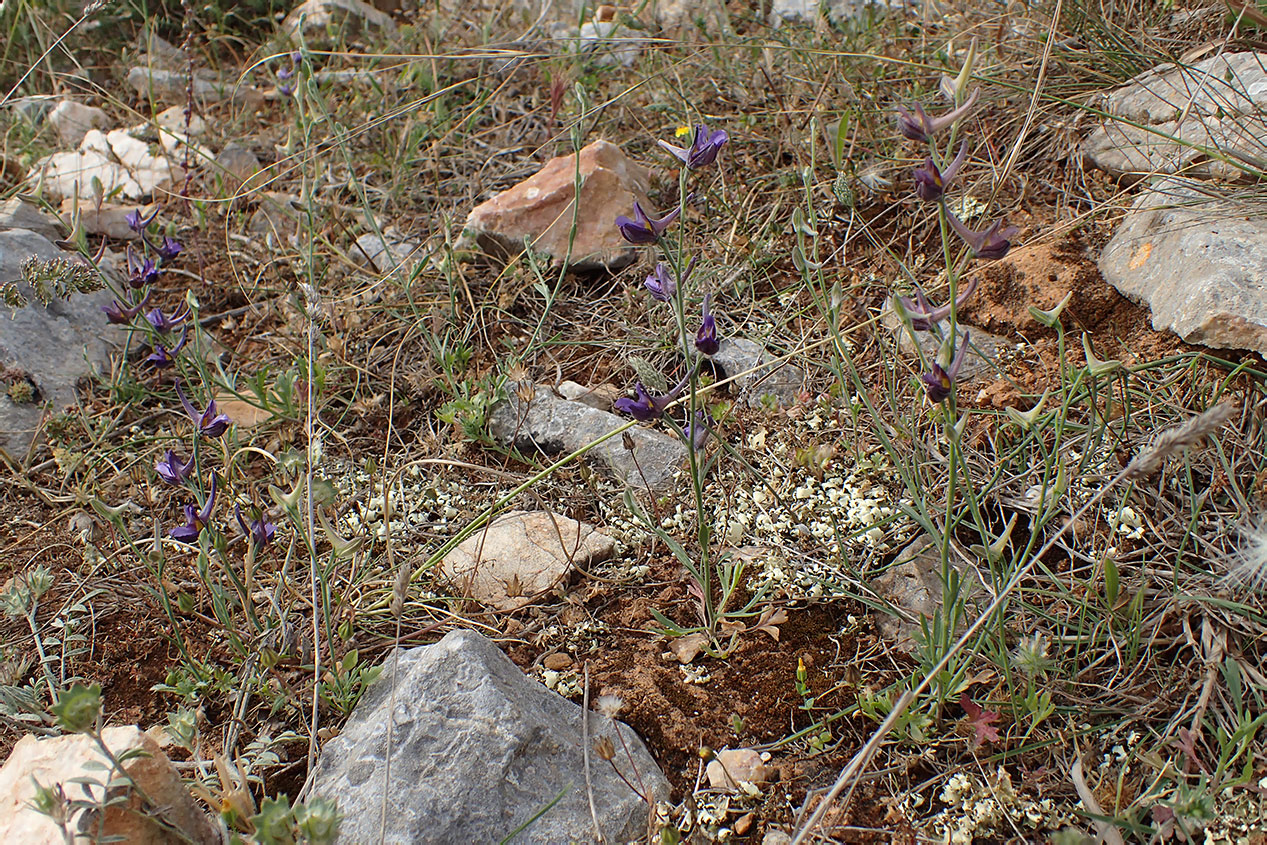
x: 1204, y: 120
x: 477, y: 750
x: 1198, y: 263
x: 52, y: 346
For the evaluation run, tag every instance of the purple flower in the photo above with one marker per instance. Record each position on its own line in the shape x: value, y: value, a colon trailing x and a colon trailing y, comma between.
x: 931, y: 183
x: 141, y: 272
x: 660, y: 284
x: 119, y: 314
x: 260, y: 531
x: 169, y: 249
x: 162, y: 358
x: 703, y: 150
x: 706, y: 338
x: 137, y: 223
x: 164, y: 324
x: 643, y: 229
x: 920, y: 127
x: 922, y: 313
x: 939, y: 382
x: 195, y: 520
x: 699, y: 428
x: 647, y: 407
x: 285, y: 75
x: 208, y: 422
x: 171, y: 470
x: 992, y: 242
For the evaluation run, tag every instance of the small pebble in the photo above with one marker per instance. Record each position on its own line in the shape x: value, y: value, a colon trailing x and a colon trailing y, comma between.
x: 557, y: 662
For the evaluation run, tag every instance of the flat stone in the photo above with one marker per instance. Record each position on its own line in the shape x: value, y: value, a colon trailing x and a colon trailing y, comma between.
x: 835, y: 12
x: 913, y: 585
x: 172, y: 119
x: 236, y: 164
x: 556, y: 426
x: 600, y: 397
x: 477, y: 750
x: 387, y: 253
x: 335, y: 20
x: 733, y: 766
x: 1199, y: 264
x: 56, y: 760
x: 73, y: 120
x: 757, y: 374
x: 107, y: 218
x: 16, y: 213
x: 521, y: 556
x: 541, y: 209
x: 1221, y: 100
x: 46, y: 344
x: 34, y: 107
x: 169, y: 87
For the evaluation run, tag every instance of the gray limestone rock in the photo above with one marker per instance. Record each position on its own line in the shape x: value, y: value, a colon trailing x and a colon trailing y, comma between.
x: 1162, y: 119
x: 1200, y: 265
x: 388, y: 253
x: 477, y: 750
x: 756, y: 372
x: 52, y: 347
x: 16, y: 213
x: 558, y: 426
x: 172, y: 87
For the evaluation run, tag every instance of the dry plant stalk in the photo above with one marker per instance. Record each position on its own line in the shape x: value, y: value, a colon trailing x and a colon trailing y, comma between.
x: 1177, y: 438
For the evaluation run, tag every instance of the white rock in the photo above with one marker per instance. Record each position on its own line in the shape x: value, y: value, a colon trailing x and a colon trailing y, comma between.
x: 73, y: 120
x: 57, y: 760
x: 314, y: 18
x: 173, y: 120
x: 147, y: 169
x: 65, y: 174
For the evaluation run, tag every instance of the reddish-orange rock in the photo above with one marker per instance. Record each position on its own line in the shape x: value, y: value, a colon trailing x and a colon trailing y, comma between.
x: 541, y: 208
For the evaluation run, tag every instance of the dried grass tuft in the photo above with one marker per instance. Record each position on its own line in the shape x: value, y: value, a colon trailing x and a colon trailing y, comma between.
x: 1174, y: 440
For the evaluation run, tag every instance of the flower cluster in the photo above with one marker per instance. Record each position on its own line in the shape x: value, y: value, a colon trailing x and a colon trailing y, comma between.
x: 144, y: 268
x: 668, y: 284
x: 932, y: 181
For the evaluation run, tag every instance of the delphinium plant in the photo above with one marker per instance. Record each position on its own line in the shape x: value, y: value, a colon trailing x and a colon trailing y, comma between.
x: 676, y: 285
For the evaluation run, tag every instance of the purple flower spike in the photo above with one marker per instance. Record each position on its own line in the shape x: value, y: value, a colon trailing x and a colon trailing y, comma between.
x: 703, y: 149
x: 920, y: 127
x: 169, y: 249
x: 260, y: 531
x: 164, y: 324
x: 141, y: 272
x: 120, y: 314
x: 939, y: 382
x: 171, y: 470
x: 162, y: 356
x: 706, y: 339
x: 195, y: 520
x: 642, y: 229
x: 922, y: 313
x: 208, y: 422
x: 660, y: 284
x: 137, y: 223
x: 931, y: 183
x: 991, y: 243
